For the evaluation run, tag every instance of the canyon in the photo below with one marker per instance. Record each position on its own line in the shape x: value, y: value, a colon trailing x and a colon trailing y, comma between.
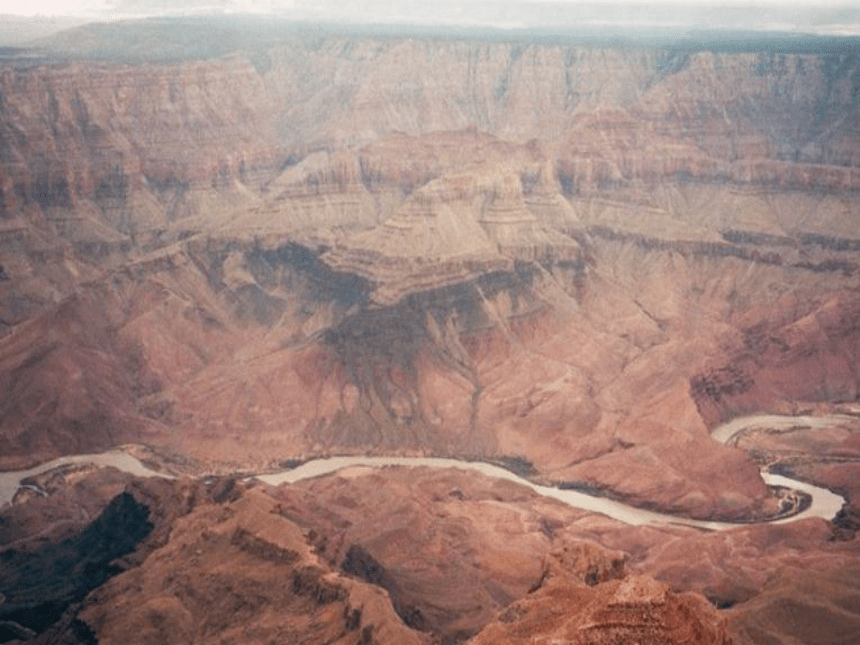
x: 235, y: 246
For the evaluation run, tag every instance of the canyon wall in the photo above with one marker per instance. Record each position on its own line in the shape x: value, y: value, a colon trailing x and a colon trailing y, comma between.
x: 99, y: 130
x: 583, y: 257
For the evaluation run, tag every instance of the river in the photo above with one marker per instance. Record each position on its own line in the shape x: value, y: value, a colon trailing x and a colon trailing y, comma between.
x: 10, y: 481
x: 725, y: 432
x: 825, y: 504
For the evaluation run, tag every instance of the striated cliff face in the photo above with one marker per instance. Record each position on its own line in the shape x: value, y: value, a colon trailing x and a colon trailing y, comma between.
x: 274, y: 587
x: 109, y: 131
x: 110, y: 134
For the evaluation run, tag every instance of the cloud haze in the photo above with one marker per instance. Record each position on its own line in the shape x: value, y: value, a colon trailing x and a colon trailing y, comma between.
x: 806, y: 16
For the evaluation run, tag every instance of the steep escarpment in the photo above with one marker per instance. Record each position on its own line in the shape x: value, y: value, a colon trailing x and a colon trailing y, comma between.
x: 611, y: 114
x: 107, y: 133
x: 138, y: 573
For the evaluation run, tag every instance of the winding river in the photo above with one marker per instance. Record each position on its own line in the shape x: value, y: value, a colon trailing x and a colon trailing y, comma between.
x: 825, y: 504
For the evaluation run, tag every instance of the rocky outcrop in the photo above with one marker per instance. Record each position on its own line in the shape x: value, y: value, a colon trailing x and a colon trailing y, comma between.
x: 153, y: 542
x: 313, y: 200
x: 475, y: 544
x: 452, y: 230
x: 240, y: 570
x: 808, y: 357
x: 434, y: 240
x: 633, y: 609
x: 39, y: 584
x: 267, y: 560
x: 454, y: 554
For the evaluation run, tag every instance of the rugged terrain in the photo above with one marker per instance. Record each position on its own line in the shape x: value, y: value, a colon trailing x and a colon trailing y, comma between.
x: 574, y: 257
x: 404, y: 555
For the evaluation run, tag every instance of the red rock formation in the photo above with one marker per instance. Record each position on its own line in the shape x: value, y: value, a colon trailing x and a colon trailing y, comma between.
x: 634, y: 609
x: 104, y: 132
x: 109, y: 132
x: 236, y: 569
x: 809, y: 355
x: 451, y: 548
x: 489, y: 249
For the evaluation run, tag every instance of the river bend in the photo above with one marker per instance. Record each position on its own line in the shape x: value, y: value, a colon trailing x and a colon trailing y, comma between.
x: 825, y: 503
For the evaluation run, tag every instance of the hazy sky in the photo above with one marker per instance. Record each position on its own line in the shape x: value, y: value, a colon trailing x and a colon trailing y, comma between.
x: 106, y: 8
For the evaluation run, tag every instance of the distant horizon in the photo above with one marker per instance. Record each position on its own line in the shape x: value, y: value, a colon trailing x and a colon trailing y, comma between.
x: 602, y: 18
x: 112, y: 9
